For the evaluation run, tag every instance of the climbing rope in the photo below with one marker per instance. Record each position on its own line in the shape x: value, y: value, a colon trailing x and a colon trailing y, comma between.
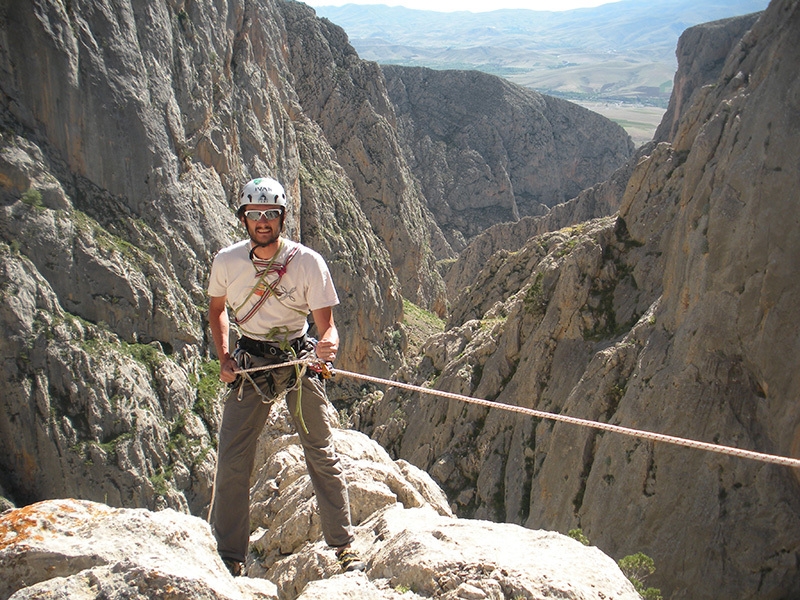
x: 638, y: 433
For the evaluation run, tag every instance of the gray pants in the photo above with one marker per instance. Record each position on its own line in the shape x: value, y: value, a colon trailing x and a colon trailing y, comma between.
x: 242, y: 422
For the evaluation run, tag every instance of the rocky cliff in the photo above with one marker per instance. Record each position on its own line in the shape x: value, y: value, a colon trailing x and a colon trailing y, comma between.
x: 346, y: 97
x: 701, y: 56
x: 600, y: 200
x: 486, y: 151
x: 414, y: 547
x: 126, y: 130
x: 675, y: 314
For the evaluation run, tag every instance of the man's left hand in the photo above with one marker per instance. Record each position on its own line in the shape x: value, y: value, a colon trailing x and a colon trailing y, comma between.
x: 326, y: 350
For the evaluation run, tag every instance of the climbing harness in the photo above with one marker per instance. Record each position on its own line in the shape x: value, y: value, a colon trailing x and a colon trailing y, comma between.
x: 637, y: 433
x: 281, y: 354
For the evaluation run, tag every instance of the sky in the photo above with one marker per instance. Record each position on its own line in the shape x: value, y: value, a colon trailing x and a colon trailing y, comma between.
x: 470, y: 5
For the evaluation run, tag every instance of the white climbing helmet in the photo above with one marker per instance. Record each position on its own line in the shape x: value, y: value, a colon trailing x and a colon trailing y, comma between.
x: 263, y: 190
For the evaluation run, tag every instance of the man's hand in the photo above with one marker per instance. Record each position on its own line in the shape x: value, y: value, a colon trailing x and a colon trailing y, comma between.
x: 326, y: 350
x: 220, y: 328
x: 328, y: 343
x: 227, y: 369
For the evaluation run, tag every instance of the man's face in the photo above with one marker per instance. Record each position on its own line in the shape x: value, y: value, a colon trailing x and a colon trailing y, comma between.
x: 263, y: 223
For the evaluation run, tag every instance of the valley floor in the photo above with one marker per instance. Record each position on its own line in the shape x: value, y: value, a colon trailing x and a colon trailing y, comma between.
x: 639, y: 121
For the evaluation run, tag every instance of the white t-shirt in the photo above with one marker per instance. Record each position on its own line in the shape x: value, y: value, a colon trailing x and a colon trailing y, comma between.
x: 306, y: 285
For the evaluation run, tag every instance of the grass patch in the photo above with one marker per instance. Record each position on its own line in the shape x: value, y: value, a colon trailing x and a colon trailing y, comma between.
x: 208, y: 386
x: 420, y: 325
x: 535, y: 301
x: 33, y: 197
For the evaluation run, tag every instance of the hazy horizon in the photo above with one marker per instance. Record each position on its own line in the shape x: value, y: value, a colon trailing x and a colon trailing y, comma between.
x: 470, y: 5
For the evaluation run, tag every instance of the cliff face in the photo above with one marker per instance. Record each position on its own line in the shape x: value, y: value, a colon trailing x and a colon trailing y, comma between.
x: 675, y: 315
x: 600, y: 200
x: 404, y: 531
x: 701, y: 56
x: 126, y: 130
x: 487, y: 151
x: 346, y: 97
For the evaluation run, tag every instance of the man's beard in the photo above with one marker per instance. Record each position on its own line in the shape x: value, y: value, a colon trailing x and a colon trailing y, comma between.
x: 261, y: 239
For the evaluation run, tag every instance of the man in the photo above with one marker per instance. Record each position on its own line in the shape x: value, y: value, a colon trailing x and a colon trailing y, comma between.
x: 270, y: 284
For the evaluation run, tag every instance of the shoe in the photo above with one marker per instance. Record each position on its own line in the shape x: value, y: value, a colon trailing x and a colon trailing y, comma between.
x: 349, y: 560
x: 234, y: 566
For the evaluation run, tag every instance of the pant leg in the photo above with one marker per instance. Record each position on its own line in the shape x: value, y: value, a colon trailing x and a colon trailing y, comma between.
x: 324, y: 468
x: 242, y: 422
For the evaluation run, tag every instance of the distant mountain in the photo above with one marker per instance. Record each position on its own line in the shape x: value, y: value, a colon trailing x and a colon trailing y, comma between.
x: 623, y: 50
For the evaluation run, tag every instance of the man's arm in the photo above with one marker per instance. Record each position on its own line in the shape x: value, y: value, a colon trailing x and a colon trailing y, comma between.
x: 328, y: 343
x: 220, y: 331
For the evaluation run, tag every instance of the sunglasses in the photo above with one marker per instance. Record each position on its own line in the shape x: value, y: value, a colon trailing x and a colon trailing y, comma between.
x: 255, y: 215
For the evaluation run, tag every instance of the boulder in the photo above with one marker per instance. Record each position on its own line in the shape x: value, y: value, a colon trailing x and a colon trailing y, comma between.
x: 413, y: 545
x: 79, y: 549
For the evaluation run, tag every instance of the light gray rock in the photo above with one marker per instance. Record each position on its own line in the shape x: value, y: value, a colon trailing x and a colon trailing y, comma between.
x: 283, y: 505
x: 354, y: 587
x: 429, y: 555
x: 440, y: 556
x: 79, y: 549
x: 114, y: 200
x: 487, y: 151
x: 406, y: 533
x: 347, y: 98
x: 601, y: 200
x: 414, y: 547
x: 674, y: 316
x: 99, y: 419
x: 701, y: 53
x: 680, y: 315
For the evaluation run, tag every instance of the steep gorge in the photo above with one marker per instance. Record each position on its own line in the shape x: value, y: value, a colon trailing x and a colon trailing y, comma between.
x: 126, y: 129
x: 487, y: 151
x: 673, y: 315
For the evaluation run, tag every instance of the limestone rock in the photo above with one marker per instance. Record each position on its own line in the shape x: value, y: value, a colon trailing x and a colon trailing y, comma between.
x: 406, y: 533
x: 347, y: 98
x: 283, y: 505
x: 675, y: 315
x: 601, y: 200
x: 115, y: 197
x: 487, y: 151
x: 98, y: 418
x: 114, y: 200
x: 422, y: 554
x: 701, y: 53
x: 413, y: 545
x: 455, y: 558
x: 81, y: 549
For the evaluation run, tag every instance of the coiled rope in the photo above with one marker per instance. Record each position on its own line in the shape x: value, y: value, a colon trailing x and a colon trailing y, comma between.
x: 638, y: 433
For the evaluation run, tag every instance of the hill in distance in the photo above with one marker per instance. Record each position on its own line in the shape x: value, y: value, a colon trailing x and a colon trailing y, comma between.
x: 617, y: 59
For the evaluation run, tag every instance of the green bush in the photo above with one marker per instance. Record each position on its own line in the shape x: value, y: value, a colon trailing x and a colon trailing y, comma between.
x: 577, y: 534
x: 32, y: 197
x: 638, y: 567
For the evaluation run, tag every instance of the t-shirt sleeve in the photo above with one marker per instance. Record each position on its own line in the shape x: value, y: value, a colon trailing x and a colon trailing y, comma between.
x: 218, y: 280
x: 321, y: 291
